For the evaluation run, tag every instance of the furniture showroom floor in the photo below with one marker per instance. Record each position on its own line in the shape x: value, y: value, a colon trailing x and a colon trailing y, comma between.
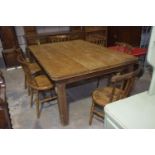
x: 78, y: 96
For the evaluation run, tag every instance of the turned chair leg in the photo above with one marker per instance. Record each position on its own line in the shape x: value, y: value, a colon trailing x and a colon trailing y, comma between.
x: 38, y: 105
x: 98, y: 82
x: 29, y: 90
x: 25, y: 82
x: 32, y: 93
x: 91, y: 113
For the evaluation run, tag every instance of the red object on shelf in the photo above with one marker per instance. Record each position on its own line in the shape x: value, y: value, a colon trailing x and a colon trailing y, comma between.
x: 138, y: 51
x: 119, y: 48
x: 134, y: 51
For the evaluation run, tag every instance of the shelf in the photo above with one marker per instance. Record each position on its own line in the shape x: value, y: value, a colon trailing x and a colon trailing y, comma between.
x: 10, y: 57
x: 88, y: 29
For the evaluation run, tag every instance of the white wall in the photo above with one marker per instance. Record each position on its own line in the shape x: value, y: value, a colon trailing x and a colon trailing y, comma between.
x: 20, y: 36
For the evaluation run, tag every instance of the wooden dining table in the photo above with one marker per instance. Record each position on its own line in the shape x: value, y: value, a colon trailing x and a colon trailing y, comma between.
x: 72, y: 61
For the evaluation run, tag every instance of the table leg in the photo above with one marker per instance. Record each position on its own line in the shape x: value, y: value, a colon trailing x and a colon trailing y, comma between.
x: 62, y: 103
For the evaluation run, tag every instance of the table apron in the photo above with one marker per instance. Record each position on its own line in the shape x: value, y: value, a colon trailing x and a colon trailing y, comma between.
x: 92, y: 75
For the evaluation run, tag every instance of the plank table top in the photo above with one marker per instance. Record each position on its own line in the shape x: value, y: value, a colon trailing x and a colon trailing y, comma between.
x: 67, y: 59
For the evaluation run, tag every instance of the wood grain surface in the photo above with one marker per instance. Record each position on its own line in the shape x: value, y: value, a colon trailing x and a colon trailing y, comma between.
x: 71, y: 58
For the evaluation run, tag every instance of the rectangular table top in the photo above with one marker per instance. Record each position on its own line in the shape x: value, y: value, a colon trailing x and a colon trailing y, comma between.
x: 68, y: 59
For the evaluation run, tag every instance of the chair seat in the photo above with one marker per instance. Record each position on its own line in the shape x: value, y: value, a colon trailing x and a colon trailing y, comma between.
x: 102, y: 96
x: 34, y: 68
x: 43, y: 83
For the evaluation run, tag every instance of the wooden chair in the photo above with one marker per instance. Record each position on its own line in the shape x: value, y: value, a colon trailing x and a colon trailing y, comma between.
x: 58, y: 38
x: 97, y: 39
x: 36, y: 39
x: 119, y: 87
x: 5, y: 120
x: 37, y: 84
x: 33, y: 67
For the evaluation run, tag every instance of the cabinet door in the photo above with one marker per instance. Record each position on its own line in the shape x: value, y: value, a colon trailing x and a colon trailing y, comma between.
x: 31, y: 35
x: 8, y: 37
x: 10, y: 57
x: 5, y: 120
x: 128, y: 34
x: 75, y: 28
x: 30, y: 30
x: 77, y: 32
x: 9, y: 43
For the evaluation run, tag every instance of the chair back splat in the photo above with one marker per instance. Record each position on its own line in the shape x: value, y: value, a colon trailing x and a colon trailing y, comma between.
x: 123, y: 82
x: 58, y: 38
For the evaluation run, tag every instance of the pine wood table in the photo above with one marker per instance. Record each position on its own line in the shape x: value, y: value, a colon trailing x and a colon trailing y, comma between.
x: 71, y: 61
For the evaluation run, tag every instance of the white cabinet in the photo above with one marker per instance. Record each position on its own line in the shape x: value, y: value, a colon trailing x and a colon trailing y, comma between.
x: 135, y: 112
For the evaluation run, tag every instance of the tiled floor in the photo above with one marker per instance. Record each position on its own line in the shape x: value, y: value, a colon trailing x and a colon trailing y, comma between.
x: 78, y: 96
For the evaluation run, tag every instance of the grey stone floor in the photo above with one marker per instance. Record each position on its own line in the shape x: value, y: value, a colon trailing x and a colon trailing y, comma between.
x: 78, y: 97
